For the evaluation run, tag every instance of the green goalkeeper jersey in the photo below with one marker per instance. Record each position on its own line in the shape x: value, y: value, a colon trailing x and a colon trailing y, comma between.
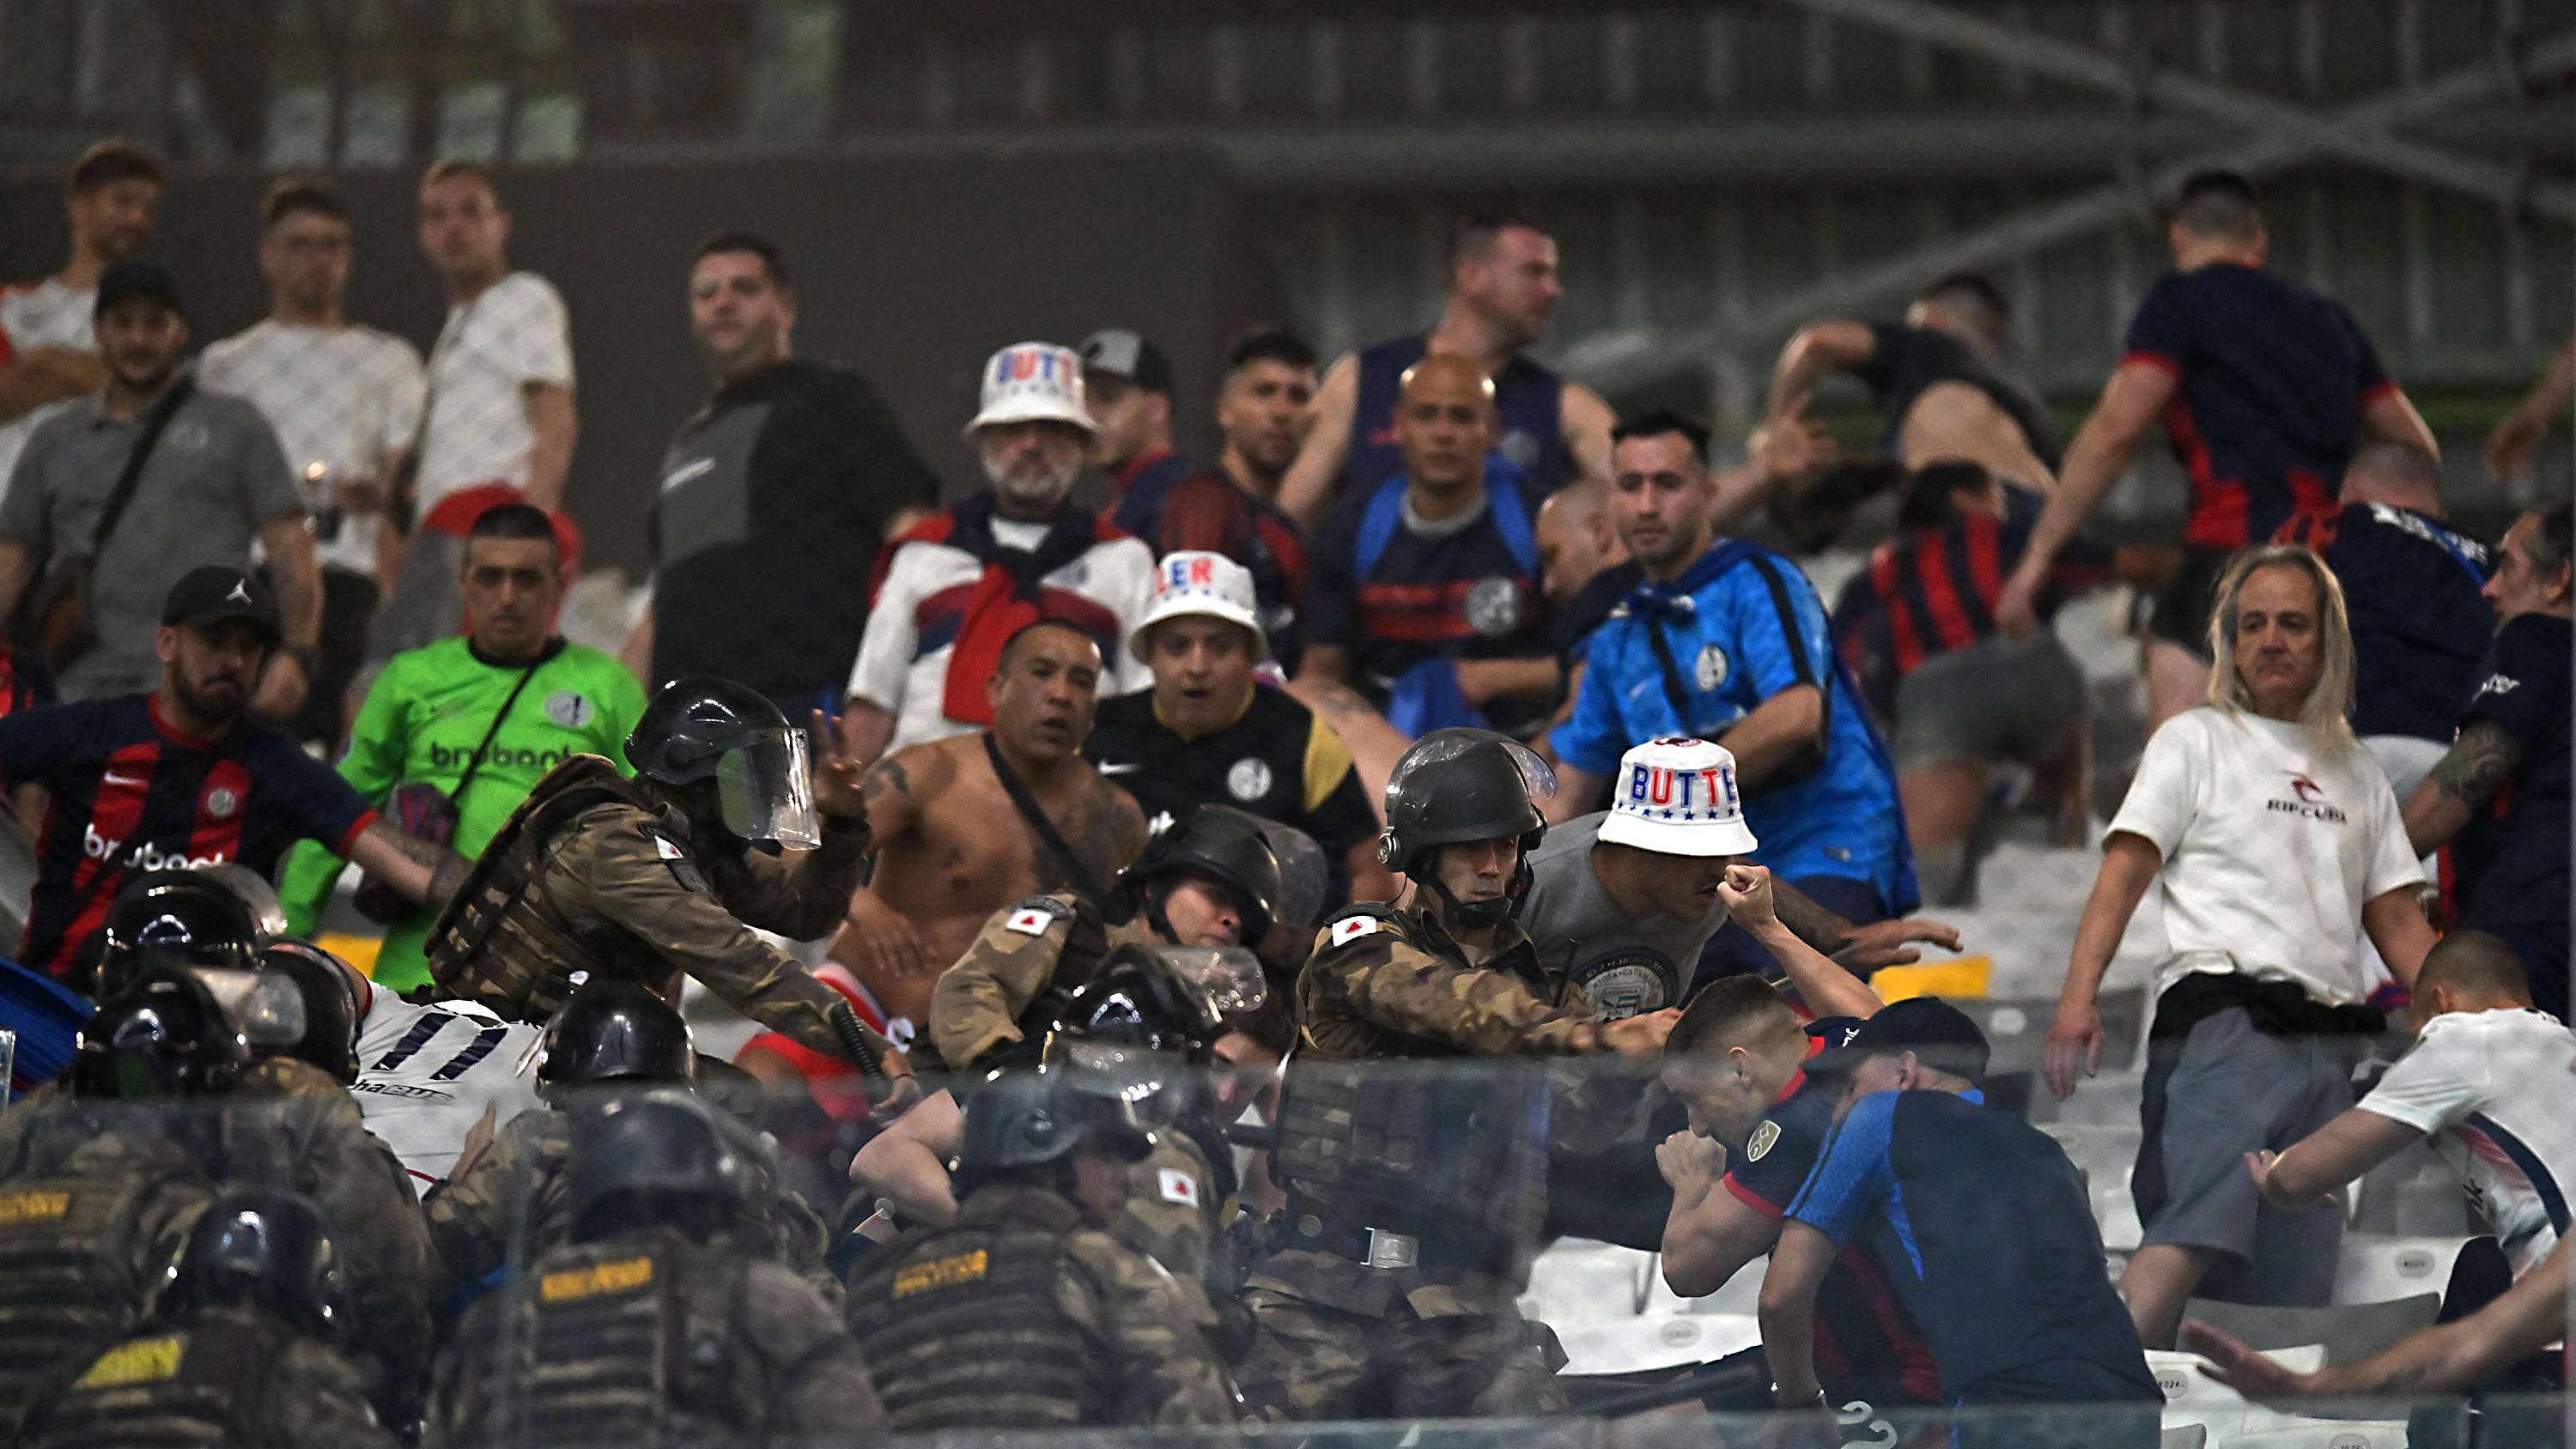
x: 423, y: 722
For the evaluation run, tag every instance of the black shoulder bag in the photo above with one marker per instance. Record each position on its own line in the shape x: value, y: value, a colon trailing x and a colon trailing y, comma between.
x: 60, y: 614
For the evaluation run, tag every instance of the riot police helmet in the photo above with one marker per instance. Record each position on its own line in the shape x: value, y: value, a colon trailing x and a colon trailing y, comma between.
x: 333, y: 1011
x: 660, y: 1156
x: 727, y: 751
x: 271, y: 1248
x: 163, y: 1036
x: 1017, y: 1120
x: 173, y: 918
x: 615, y: 1030
x: 1455, y: 786
x: 1218, y: 843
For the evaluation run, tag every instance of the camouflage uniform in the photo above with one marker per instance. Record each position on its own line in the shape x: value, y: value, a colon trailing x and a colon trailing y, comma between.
x: 285, y: 1126
x: 1021, y: 1315
x: 231, y: 1375
x: 1441, y: 1337
x: 593, y: 873
x: 1030, y: 955
x: 651, y: 1338
x: 469, y: 1218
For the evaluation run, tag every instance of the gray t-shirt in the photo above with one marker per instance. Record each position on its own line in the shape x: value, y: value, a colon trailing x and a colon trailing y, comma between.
x: 216, y: 475
x: 1627, y: 964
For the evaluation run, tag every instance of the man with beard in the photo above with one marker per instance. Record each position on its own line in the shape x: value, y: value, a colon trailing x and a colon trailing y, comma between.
x: 955, y: 587
x: 776, y: 494
x: 47, y: 345
x: 1174, y: 504
x: 968, y: 824
x: 1726, y: 641
x: 120, y: 494
x: 1502, y: 289
x: 345, y: 400
x: 178, y: 778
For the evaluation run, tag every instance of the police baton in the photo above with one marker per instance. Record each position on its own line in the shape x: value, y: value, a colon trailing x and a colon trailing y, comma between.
x: 854, y: 1040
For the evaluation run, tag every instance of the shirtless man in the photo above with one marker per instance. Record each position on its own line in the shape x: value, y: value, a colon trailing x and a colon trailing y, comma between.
x: 1502, y: 289
x: 1939, y: 382
x: 951, y: 847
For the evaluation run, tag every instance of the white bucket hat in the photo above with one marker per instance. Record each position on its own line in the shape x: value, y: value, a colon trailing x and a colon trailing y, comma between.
x: 1033, y: 382
x: 1192, y: 583
x: 1678, y: 797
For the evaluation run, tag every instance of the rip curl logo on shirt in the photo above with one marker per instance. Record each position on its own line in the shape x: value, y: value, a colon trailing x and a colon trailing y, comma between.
x: 2311, y: 804
x: 221, y: 803
x: 570, y: 708
x: 1766, y: 1135
x: 1249, y: 779
x: 1493, y: 606
x: 1709, y: 670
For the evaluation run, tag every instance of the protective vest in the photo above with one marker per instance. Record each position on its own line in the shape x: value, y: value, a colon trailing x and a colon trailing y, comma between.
x: 960, y: 1326
x: 81, y: 1262
x: 1423, y: 1140
x: 176, y: 1390
x: 501, y: 942
x: 625, y: 1342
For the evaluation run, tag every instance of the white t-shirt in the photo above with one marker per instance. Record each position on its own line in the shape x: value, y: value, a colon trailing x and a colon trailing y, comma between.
x: 2493, y: 1091
x: 512, y: 334
x: 898, y: 674
x: 341, y: 400
x: 33, y: 315
x: 426, y: 1073
x: 2270, y: 850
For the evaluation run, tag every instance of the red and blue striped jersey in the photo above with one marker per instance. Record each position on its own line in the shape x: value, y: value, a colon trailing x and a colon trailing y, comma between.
x: 128, y: 793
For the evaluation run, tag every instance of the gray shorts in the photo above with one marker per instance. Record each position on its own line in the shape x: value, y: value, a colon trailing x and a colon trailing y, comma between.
x: 1998, y: 699
x: 2226, y: 1091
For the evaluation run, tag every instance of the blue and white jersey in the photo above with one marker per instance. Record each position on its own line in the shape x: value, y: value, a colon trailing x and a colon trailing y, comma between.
x: 2495, y: 1092
x: 1696, y: 656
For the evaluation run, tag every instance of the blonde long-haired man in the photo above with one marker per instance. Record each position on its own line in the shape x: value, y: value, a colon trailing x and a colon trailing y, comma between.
x: 2279, y: 845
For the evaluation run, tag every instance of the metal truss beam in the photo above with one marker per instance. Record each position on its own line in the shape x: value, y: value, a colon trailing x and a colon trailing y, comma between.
x: 1619, y: 358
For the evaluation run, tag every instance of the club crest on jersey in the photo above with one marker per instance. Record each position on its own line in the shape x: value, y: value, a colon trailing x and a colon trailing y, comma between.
x: 1709, y: 669
x: 1766, y: 1135
x: 221, y: 803
x: 569, y: 708
x: 1493, y: 606
x: 1249, y: 779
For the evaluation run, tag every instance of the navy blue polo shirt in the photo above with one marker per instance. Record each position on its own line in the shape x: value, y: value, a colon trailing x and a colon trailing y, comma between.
x: 130, y: 794
x: 2419, y: 627
x: 1985, y: 1229
x: 2270, y: 382
x: 2509, y: 863
x: 1862, y: 1331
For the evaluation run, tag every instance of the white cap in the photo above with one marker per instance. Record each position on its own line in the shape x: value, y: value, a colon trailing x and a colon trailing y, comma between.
x: 1033, y: 382
x: 1678, y: 797
x: 1193, y: 583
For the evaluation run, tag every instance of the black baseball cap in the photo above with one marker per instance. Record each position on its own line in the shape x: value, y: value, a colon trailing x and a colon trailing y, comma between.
x: 1122, y: 354
x: 1940, y: 1035
x: 136, y: 277
x: 214, y: 593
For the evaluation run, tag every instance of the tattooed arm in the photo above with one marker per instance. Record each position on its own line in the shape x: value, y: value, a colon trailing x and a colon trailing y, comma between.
x: 420, y: 870
x: 1106, y: 829
x: 2481, y: 763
